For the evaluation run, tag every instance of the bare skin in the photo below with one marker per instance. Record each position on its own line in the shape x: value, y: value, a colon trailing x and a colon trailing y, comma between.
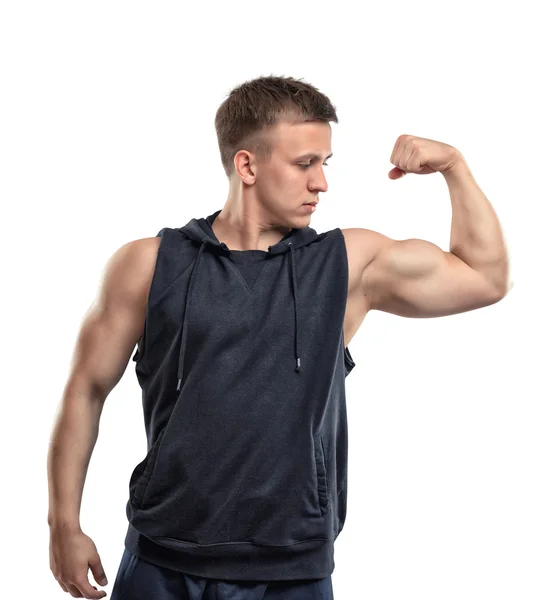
x: 409, y: 278
x: 109, y: 332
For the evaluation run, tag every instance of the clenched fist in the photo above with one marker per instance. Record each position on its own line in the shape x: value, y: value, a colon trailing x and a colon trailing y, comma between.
x: 419, y: 155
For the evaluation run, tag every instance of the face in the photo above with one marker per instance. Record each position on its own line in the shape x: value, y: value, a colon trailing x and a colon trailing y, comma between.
x: 295, y: 173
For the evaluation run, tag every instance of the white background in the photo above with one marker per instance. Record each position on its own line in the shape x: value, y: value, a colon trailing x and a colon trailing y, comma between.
x: 106, y: 135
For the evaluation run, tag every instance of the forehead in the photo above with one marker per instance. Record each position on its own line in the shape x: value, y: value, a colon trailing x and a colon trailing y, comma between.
x: 303, y: 138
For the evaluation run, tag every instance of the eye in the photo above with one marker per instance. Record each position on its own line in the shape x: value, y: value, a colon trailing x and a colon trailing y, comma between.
x: 310, y: 164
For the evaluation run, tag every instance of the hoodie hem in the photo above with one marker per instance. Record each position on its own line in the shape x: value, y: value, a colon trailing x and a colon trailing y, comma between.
x: 239, y: 561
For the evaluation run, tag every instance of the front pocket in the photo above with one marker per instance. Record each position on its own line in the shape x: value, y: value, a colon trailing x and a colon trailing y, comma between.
x: 321, y: 474
x: 143, y: 472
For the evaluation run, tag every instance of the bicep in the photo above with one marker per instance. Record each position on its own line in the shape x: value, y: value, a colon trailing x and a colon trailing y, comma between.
x: 114, y: 322
x: 416, y: 278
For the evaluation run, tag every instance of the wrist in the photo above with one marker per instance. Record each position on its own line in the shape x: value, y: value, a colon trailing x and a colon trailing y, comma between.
x: 459, y: 169
x: 64, y: 525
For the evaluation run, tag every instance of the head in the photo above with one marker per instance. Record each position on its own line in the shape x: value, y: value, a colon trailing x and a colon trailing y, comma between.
x: 274, y: 137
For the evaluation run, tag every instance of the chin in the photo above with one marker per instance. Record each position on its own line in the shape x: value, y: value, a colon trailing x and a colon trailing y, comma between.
x: 296, y: 221
x: 305, y: 221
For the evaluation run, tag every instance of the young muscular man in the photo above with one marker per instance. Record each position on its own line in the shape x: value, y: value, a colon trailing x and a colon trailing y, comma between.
x: 242, y: 321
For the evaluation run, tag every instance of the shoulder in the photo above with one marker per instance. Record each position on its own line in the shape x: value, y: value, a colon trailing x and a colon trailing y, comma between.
x: 137, y: 255
x: 359, y: 240
x: 362, y: 247
x: 129, y: 271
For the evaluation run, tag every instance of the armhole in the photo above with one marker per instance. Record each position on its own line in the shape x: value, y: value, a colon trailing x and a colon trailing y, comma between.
x: 349, y: 364
x: 139, y: 354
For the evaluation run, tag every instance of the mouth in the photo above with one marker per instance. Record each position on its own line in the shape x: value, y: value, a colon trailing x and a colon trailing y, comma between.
x: 310, y: 203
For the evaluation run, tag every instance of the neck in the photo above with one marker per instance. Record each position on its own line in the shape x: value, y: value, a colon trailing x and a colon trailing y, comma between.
x: 247, y: 228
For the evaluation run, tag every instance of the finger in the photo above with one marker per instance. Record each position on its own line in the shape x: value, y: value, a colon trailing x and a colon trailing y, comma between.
x: 413, y: 163
x: 90, y: 592
x: 396, y: 158
x: 396, y: 173
x: 74, y: 591
x: 97, y: 570
x: 399, y: 142
x: 403, y: 159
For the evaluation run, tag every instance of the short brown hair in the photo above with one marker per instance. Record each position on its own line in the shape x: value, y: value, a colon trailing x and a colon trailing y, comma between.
x: 243, y: 119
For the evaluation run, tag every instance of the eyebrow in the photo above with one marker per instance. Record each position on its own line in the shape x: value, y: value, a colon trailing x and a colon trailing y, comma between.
x: 311, y: 155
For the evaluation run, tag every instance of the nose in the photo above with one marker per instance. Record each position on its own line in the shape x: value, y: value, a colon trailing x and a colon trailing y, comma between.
x: 318, y: 182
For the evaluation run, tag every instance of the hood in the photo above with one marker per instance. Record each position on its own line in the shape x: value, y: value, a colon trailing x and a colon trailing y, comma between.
x: 200, y: 231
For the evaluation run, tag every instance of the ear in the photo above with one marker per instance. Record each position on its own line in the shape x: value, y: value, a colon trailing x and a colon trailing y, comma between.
x: 245, y: 166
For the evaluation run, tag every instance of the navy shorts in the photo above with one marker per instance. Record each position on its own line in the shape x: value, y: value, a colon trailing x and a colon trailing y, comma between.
x: 137, y: 579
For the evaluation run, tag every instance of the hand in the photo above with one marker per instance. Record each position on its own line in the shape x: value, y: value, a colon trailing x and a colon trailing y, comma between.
x: 419, y: 155
x: 71, y: 555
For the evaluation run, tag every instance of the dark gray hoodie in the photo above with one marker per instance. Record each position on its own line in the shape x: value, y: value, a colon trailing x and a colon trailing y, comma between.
x: 242, y: 366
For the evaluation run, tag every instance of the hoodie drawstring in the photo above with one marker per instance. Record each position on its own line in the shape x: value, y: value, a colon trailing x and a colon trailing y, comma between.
x: 293, y: 268
x: 181, y: 364
x: 185, y: 318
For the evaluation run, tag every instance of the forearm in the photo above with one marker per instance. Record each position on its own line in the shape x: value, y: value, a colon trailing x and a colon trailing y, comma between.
x: 73, y: 439
x: 476, y: 234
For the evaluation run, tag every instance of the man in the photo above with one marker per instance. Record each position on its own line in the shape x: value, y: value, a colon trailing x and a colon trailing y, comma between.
x: 242, y: 321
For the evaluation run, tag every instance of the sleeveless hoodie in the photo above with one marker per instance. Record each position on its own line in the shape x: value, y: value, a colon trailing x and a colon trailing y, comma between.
x: 242, y: 367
